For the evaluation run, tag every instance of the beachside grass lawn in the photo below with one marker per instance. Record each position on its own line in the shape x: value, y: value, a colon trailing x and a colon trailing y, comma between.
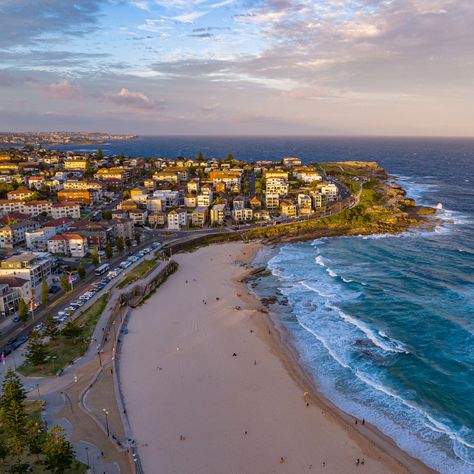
x: 141, y: 269
x: 33, y: 411
x: 62, y: 350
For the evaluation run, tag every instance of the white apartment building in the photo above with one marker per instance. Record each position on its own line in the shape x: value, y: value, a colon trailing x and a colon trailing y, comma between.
x: 205, y: 198
x: 38, y: 239
x: 72, y: 245
x: 277, y: 186
x: 242, y: 214
x: 177, y: 219
x: 329, y: 190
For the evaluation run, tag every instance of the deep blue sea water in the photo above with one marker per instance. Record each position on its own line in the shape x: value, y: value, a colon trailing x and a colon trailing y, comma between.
x: 385, y: 324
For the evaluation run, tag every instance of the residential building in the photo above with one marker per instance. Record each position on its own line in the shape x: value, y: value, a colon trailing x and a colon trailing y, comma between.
x: 157, y: 218
x: 227, y: 177
x: 138, y: 216
x: 97, y: 234
x: 307, y: 175
x: 278, y: 174
x: 276, y: 186
x: 255, y: 203
x: 238, y: 202
x: 193, y: 186
x: 11, y: 290
x: 290, y: 161
x: 21, y: 194
x: 167, y: 176
x: 261, y: 215
x: 123, y: 228
x: 14, y: 234
x: 71, y: 245
x: 272, y: 200
x: 75, y: 165
x: 329, y: 190
x: 205, y: 197
x: 200, y: 216
x: 31, y: 266
x: 242, y: 214
x: 305, y: 204
x: 319, y: 200
x: 218, y: 214
x: 169, y: 198
x: 288, y: 209
x: 38, y: 239
x: 35, y: 182
x: 190, y: 200
x: 65, y: 209
x: 177, y: 219
x: 82, y: 196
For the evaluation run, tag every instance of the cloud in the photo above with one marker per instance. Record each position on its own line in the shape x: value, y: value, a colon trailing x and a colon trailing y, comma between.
x: 133, y: 100
x: 60, y: 90
x: 27, y: 21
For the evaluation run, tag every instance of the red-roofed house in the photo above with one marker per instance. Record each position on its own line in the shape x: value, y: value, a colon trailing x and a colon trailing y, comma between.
x: 72, y: 245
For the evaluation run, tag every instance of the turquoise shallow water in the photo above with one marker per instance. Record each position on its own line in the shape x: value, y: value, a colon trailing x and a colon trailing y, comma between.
x: 386, y: 326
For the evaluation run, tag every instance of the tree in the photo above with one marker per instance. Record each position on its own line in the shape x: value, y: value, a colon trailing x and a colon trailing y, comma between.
x: 126, y: 194
x: 12, y: 413
x: 95, y: 257
x: 109, y: 252
x: 44, y: 292
x: 200, y: 156
x: 100, y: 154
x: 81, y: 271
x: 119, y: 244
x: 35, y: 437
x: 35, y: 351
x: 128, y: 242
x: 58, y: 451
x: 138, y: 237
x: 121, y: 158
x: 71, y: 330
x: 230, y: 157
x: 64, y: 283
x: 88, y: 169
x: 50, y: 326
x: 107, y: 215
x: 22, y: 311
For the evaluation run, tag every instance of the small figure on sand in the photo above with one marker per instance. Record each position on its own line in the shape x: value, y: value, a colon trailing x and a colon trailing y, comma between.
x: 282, y: 460
x: 234, y: 355
x: 305, y: 397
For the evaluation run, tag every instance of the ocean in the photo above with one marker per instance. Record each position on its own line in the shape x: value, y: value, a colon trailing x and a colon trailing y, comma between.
x: 385, y: 324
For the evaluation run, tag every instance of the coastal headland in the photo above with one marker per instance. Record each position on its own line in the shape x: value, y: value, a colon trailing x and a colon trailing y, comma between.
x: 211, y: 386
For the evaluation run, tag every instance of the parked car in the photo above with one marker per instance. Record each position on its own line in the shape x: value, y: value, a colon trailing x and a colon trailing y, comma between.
x: 54, y: 289
x: 19, y: 342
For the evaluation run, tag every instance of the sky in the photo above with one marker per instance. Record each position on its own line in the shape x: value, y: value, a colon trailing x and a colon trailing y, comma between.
x: 238, y: 67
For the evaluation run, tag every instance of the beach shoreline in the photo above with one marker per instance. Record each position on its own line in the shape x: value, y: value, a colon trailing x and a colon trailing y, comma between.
x: 282, y: 344
x: 319, y: 437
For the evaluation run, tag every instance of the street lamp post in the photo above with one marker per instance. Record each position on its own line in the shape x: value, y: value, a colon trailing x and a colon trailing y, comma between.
x: 87, y: 455
x: 106, y: 413
x: 38, y: 388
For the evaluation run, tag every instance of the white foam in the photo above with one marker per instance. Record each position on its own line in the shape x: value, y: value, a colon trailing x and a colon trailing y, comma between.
x: 319, y: 260
x: 385, y: 343
x: 325, y: 344
x: 316, y: 290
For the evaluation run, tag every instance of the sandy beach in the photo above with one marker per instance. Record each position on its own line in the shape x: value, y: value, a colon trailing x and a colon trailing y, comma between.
x: 209, y: 387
